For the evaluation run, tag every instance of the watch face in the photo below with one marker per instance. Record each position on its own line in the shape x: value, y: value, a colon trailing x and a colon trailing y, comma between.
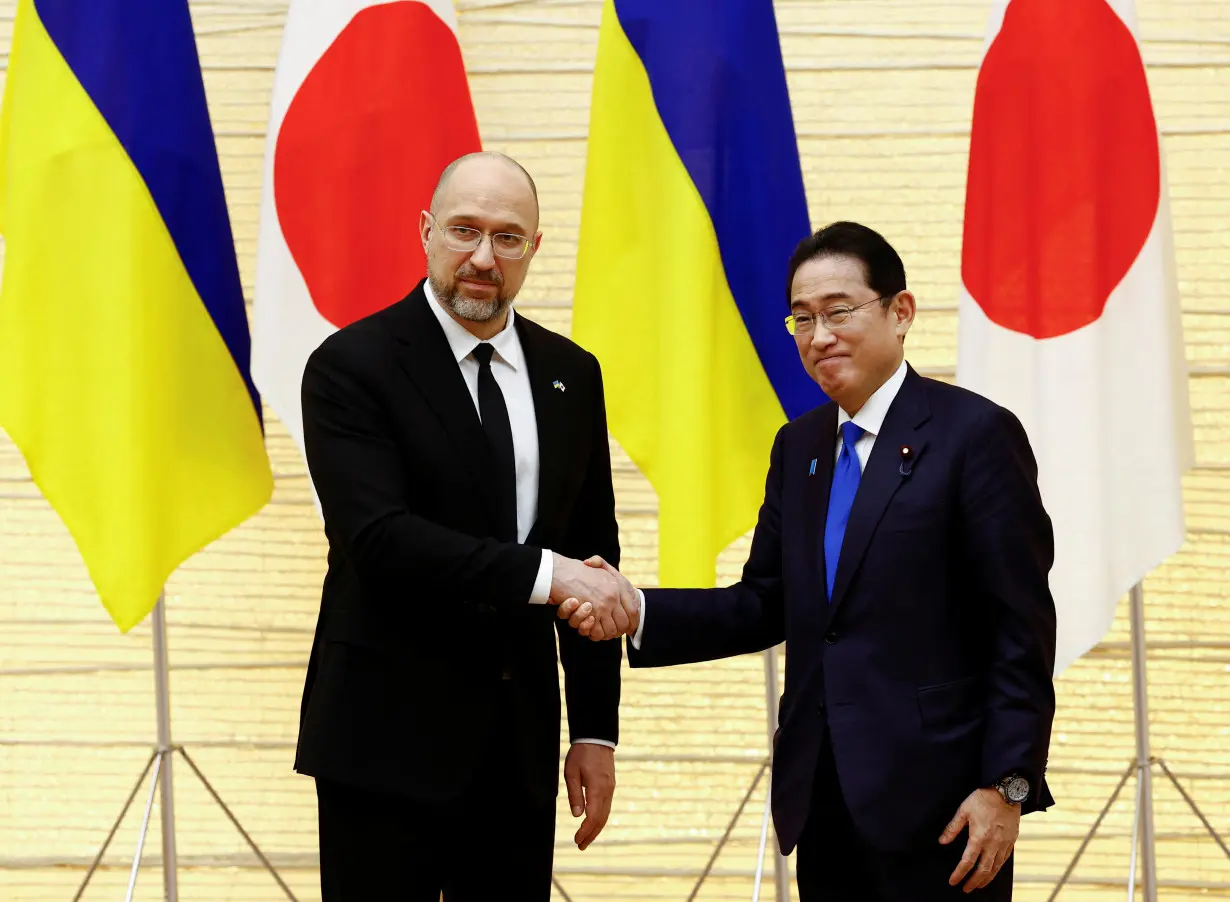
x: 1017, y: 789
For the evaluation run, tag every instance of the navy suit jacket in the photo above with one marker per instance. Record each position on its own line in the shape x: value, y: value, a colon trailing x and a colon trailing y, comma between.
x: 931, y: 668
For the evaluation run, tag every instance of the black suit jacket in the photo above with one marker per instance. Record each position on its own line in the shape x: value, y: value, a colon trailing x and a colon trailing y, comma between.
x: 931, y: 669
x: 425, y: 624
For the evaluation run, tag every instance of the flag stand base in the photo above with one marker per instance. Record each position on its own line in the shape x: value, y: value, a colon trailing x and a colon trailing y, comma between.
x: 156, y: 763
x: 160, y: 763
x: 1143, y: 843
x: 1143, y: 774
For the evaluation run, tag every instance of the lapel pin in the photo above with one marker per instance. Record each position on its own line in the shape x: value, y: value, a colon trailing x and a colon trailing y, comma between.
x: 907, y: 460
x: 812, y: 469
x: 559, y: 386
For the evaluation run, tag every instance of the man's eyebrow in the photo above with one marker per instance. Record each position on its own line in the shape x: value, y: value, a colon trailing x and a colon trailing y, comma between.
x: 829, y: 296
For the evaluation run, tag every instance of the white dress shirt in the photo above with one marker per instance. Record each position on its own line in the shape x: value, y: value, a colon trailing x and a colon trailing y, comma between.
x: 870, y: 417
x: 512, y: 376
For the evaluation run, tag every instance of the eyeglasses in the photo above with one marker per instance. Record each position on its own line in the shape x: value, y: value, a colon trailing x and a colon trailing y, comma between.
x: 464, y: 238
x: 833, y: 318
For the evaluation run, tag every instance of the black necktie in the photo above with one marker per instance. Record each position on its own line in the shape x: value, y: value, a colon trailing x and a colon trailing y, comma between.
x: 494, y: 414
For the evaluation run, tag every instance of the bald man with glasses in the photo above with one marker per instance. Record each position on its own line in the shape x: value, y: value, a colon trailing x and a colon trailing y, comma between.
x: 460, y: 454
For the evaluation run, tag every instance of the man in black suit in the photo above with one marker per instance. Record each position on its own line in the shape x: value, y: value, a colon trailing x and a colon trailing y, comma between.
x: 902, y: 553
x: 460, y: 455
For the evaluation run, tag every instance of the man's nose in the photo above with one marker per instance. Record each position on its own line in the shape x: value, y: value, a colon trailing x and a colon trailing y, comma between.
x: 483, y: 256
x: 822, y: 338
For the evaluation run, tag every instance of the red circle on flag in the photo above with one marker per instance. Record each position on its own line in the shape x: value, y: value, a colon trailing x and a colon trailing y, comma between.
x: 1064, y: 172
x: 364, y: 140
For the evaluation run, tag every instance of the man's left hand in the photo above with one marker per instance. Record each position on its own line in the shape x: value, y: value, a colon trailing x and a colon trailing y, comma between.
x: 994, y: 825
x: 589, y: 774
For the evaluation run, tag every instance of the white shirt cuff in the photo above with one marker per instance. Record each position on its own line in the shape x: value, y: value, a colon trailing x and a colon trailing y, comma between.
x: 605, y: 742
x: 542, y: 585
x: 640, y: 627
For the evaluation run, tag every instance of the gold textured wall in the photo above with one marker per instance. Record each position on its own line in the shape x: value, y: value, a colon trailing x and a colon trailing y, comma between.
x: 882, y: 92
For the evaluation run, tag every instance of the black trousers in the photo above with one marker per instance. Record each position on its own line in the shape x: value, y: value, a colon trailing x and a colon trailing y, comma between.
x: 835, y: 864
x: 489, y: 845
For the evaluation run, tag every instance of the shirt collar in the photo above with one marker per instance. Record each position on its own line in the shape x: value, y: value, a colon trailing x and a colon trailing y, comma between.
x: 462, y: 342
x: 870, y: 416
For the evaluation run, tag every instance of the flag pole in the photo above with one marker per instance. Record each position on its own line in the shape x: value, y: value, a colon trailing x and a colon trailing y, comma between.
x: 1144, y: 760
x: 162, y: 702
x: 160, y: 784
x: 1142, y: 848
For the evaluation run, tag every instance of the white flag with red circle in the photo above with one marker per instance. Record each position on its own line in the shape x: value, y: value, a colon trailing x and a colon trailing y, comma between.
x: 1069, y: 313
x: 370, y: 102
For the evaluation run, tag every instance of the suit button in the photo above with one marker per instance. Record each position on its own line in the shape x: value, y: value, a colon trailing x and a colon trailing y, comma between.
x: 820, y: 708
x: 830, y: 638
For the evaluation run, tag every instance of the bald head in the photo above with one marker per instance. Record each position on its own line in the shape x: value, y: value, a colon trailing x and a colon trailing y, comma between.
x: 483, y: 161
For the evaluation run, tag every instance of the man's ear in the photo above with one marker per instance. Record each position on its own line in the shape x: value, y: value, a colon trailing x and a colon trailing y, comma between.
x: 903, y: 309
x: 425, y: 225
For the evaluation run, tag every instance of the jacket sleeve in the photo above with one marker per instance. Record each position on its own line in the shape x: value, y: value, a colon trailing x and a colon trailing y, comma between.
x: 359, y: 478
x: 591, y: 669
x: 1010, y: 550
x: 684, y: 626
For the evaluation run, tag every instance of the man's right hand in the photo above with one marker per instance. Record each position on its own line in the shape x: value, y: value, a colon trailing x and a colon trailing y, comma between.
x: 581, y: 615
x: 593, y: 586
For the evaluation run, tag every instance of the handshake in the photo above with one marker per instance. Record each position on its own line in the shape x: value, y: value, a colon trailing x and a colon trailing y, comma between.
x: 595, y: 598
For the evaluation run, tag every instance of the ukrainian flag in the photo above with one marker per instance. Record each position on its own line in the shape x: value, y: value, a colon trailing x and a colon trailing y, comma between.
x: 693, y: 204
x: 123, y: 338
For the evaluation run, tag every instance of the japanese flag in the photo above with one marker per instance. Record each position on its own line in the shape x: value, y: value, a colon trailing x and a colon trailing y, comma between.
x: 370, y: 103
x: 1069, y: 312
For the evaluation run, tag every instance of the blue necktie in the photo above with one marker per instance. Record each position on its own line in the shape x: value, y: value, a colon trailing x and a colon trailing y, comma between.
x: 841, y: 498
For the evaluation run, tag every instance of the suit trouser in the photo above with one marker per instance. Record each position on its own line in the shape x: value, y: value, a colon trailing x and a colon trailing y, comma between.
x: 835, y: 864
x: 491, y: 843
x: 376, y: 847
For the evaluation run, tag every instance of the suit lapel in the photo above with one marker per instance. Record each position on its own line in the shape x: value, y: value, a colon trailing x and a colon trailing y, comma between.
x: 881, y: 478
x: 550, y: 413
x: 816, y: 496
x: 428, y: 361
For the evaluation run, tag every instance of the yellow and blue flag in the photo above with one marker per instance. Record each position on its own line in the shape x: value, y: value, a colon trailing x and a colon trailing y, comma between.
x: 123, y: 338
x: 693, y: 204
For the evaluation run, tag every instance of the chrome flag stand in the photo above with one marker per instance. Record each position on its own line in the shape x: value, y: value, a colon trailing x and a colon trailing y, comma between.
x: 160, y: 762
x: 781, y: 867
x: 1143, y: 841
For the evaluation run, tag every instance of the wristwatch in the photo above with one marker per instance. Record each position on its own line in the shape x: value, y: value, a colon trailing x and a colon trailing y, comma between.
x: 1014, y: 788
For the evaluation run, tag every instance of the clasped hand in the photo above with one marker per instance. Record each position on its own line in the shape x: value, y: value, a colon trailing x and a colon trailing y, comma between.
x: 596, y: 599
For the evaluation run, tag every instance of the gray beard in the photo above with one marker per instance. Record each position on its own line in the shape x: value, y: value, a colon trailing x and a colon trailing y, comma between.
x: 470, y: 309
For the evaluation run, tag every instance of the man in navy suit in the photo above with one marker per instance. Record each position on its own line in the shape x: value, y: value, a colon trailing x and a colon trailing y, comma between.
x: 902, y: 553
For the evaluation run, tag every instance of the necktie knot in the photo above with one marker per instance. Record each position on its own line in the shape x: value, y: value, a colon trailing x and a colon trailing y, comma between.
x: 483, y: 352
x: 851, y: 432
